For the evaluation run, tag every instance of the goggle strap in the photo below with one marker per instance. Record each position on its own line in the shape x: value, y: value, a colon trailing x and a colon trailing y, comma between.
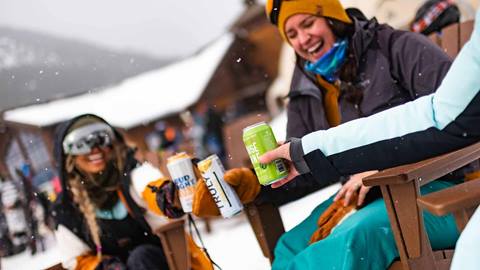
x: 275, y: 11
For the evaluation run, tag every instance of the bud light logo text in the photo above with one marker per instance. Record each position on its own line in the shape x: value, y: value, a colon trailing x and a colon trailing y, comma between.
x: 183, y: 182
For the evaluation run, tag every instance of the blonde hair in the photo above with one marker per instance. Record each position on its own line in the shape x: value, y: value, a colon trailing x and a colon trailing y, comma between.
x: 80, y: 194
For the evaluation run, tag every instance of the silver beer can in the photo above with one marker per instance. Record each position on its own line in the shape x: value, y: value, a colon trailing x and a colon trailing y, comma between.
x: 222, y: 193
x: 181, y: 171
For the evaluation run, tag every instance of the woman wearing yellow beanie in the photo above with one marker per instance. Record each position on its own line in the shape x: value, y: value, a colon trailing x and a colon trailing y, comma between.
x: 348, y: 67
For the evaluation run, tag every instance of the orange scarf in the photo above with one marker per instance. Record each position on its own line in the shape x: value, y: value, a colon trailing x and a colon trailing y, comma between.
x: 330, y: 101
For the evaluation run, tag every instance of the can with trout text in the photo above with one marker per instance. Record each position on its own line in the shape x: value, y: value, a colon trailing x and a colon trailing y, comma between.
x: 223, y: 194
x: 258, y: 139
x: 181, y: 170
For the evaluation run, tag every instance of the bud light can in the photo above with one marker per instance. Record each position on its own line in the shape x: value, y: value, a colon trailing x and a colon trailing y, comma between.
x: 259, y: 139
x: 180, y: 168
x: 223, y: 194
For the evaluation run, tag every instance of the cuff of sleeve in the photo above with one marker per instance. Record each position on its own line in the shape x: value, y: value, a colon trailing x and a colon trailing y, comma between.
x: 296, y: 153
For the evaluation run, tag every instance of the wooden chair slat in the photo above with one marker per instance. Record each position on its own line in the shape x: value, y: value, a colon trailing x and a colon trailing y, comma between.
x: 396, y: 265
x: 267, y: 225
x: 466, y: 29
x: 174, y: 243
x: 389, y: 204
x: 439, y: 255
x: 448, y: 253
x: 450, y: 40
x: 403, y: 201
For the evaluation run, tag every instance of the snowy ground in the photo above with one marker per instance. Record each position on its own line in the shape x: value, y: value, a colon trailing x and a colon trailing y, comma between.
x: 231, y: 244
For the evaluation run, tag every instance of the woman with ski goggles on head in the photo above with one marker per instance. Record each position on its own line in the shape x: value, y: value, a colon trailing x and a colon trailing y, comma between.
x: 347, y: 67
x: 110, y: 204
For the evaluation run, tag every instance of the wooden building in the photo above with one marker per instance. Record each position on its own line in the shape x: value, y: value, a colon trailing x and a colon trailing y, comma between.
x: 232, y: 74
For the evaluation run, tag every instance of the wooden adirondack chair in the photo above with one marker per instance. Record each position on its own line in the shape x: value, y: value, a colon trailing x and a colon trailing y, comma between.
x: 400, y: 189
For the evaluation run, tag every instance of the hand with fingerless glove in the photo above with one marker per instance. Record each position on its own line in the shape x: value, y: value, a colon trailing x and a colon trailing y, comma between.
x: 162, y: 198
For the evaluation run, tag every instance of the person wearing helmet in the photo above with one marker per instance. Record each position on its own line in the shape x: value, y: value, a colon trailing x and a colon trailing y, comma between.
x: 110, y: 204
x: 347, y: 68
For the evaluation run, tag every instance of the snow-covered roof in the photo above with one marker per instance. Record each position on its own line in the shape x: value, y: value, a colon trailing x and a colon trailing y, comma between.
x: 137, y: 100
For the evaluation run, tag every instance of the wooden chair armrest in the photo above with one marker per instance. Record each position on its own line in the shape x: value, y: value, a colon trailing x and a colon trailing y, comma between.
x: 174, y: 243
x: 172, y: 224
x: 426, y: 170
x: 57, y: 266
x: 453, y: 199
x: 267, y: 225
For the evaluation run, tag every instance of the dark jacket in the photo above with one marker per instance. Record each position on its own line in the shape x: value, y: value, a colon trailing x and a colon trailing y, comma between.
x: 118, y: 237
x: 393, y: 67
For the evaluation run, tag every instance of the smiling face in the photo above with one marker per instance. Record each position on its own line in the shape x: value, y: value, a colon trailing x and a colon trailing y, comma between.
x: 309, y: 35
x: 95, y: 161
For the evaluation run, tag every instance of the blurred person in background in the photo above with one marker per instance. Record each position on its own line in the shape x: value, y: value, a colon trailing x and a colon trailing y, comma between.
x: 13, y: 209
x: 5, y: 242
x: 213, y: 136
x: 6, y: 245
x: 347, y: 67
x: 169, y: 137
x: 434, y: 15
x: 110, y: 204
x: 29, y: 207
x: 193, y: 132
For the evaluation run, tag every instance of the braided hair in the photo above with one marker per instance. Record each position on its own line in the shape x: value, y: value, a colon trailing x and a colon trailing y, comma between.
x: 76, y: 183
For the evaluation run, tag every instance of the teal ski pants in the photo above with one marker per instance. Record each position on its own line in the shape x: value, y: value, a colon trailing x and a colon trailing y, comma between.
x: 363, y: 241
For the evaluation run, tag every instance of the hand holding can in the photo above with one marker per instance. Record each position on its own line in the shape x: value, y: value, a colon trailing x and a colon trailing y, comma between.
x: 180, y: 168
x: 283, y: 152
x: 224, y: 196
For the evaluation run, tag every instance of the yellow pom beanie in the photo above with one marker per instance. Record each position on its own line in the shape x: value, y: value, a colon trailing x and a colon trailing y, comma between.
x: 278, y: 11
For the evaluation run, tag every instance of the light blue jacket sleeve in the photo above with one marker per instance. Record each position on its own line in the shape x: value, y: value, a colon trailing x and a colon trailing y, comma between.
x: 460, y: 86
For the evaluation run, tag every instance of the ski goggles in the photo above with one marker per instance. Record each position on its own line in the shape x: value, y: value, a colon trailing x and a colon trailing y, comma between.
x: 81, y: 141
x: 272, y: 9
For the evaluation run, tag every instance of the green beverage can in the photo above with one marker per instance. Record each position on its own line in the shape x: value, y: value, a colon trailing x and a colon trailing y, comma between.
x: 259, y: 139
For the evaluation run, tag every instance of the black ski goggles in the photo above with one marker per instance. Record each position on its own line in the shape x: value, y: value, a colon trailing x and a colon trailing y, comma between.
x: 272, y: 8
x: 81, y: 141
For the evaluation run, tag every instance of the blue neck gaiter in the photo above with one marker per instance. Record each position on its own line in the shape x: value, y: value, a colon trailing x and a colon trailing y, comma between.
x: 328, y: 65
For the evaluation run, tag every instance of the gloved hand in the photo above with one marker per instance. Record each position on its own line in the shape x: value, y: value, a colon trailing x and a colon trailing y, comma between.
x: 332, y: 217
x: 244, y: 182
x: 162, y: 198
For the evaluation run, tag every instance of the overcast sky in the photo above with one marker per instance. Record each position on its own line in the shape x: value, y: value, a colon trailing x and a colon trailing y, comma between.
x: 158, y: 27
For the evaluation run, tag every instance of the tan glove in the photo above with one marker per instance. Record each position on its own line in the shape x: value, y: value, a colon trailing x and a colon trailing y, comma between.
x: 331, y: 218
x: 243, y: 180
